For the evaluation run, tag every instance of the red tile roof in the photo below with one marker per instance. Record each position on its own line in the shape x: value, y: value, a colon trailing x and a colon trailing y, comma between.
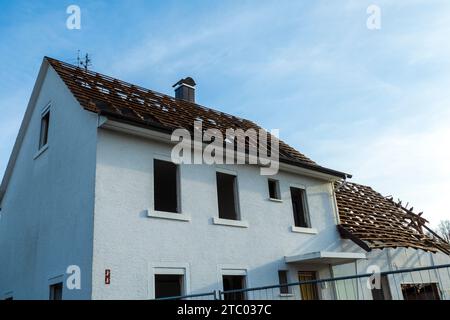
x: 377, y: 222
x: 115, y: 98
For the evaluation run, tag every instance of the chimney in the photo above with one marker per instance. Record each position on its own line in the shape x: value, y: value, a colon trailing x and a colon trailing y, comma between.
x: 185, y: 89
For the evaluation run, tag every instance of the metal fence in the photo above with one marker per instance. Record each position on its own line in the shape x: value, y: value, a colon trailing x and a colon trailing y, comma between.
x: 424, y: 283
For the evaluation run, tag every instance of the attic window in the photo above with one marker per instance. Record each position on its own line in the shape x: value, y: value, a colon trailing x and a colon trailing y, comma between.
x: 56, y: 291
x: 227, y: 196
x: 274, y: 189
x: 45, y: 121
x: 166, y: 186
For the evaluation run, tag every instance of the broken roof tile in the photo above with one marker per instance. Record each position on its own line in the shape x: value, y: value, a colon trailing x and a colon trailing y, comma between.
x: 127, y: 100
x: 378, y: 222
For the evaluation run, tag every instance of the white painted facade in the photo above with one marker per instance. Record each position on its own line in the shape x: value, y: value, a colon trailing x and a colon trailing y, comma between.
x: 87, y: 200
x: 47, y: 211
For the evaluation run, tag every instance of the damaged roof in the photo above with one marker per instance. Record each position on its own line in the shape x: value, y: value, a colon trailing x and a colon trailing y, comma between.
x: 131, y: 103
x: 376, y: 222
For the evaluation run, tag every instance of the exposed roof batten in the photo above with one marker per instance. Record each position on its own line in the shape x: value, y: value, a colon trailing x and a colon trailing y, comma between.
x: 131, y: 103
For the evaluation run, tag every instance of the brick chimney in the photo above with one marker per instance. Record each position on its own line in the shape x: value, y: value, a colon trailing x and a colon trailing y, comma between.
x: 185, y: 89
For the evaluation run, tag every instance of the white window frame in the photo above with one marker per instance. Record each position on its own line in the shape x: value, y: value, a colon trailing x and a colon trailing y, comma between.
x: 232, y: 270
x: 240, y: 222
x: 277, y: 190
x: 306, y: 230
x: 290, y: 292
x: 174, y: 268
x: 176, y: 216
x: 42, y: 148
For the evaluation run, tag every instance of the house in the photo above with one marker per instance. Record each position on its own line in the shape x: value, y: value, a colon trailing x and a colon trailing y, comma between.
x: 91, y: 190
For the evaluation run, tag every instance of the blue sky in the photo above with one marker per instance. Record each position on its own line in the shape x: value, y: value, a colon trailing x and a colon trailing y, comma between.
x: 374, y: 103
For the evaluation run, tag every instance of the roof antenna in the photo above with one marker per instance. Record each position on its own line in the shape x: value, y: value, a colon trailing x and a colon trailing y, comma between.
x: 84, y: 63
x: 78, y: 59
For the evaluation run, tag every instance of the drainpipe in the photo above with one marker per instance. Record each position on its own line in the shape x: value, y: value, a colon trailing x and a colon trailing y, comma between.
x: 337, y: 220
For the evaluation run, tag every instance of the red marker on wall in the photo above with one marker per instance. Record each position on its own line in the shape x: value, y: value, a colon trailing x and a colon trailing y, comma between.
x: 107, y: 276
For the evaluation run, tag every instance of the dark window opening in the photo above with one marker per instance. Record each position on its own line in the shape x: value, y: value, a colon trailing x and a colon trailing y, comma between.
x: 234, y: 283
x: 299, y: 206
x: 56, y: 291
x: 227, y: 195
x: 166, y: 186
x: 420, y: 291
x: 45, y: 121
x: 382, y: 293
x: 282, y: 278
x: 274, y: 189
x: 168, y: 285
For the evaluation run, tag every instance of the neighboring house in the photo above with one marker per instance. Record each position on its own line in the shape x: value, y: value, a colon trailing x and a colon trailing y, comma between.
x: 90, y: 183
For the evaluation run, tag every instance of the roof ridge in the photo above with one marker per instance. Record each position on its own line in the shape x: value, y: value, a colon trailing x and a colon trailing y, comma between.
x: 125, y: 101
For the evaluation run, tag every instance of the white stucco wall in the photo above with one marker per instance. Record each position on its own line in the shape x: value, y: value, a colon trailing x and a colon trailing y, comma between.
x: 84, y: 202
x: 47, y: 212
x: 132, y: 244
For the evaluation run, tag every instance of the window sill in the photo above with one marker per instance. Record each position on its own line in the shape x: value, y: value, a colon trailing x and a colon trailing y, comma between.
x: 304, y: 230
x: 274, y: 199
x: 169, y: 215
x: 231, y: 223
x: 40, y: 151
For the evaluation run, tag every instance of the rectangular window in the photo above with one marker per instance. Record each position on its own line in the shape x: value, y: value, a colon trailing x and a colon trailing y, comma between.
x: 168, y: 285
x: 234, y: 283
x: 56, y: 291
x: 227, y: 196
x: 300, y: 209
x: 45, y: 121
x: 274, y: 189
x: 166, y: 186
x: 282, y: 278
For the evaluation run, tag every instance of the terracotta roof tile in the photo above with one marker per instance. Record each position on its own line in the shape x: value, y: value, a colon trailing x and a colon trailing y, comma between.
x: 103, y: 94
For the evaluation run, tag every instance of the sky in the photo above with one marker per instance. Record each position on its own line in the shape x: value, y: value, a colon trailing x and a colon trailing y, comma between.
x: 370, y: 102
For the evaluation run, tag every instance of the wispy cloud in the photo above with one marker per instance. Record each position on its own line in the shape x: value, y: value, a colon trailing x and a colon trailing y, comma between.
x: 373, y: 103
